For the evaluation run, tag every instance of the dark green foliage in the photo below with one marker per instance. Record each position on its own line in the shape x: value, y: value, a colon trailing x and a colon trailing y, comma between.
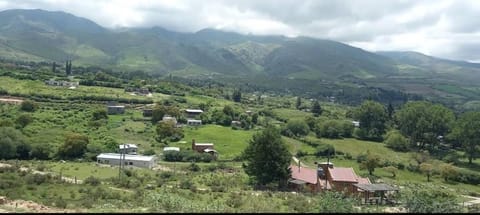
x: 334, y: 202
x: 267, y: 158
x: 75, y: 146
x: 68, y: 67
x: 194, y: 167
x: 396, y: 141
x: 372, y: 118
x: 325, y: 150
x: 298, y: 103
x: 423, y: 122
x: 159, y: 111
x: 370, y: 162
x: 28, y: 106
x: 296, y: 127
x: 94, y: 149
x: 316, y: 108
x: 41, y: 151
x: 467, y: 132
x: 99, y: 114
x: 187, y: 156
x: 166, y: 130
x: 11, y: 140
x: 431, y: 201
x: 149, y: 152
x: 237, y: 95
x: 23, y: 120
x: 334, y: 129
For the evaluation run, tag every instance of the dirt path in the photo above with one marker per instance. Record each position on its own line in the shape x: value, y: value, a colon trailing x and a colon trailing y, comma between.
x: 29, y: 206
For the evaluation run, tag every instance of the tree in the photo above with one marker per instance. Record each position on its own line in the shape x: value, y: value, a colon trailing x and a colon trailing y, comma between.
x: 237, y: 95
x: 12, y: 143
x: 448, y: 171
x: 23, y: 120
x: 75, y: 146
x: 316, y: 108
x: 421, y: 157
x: 41, y: 151
x: 299, y: 102
x: 390, y: 110
x: 311, y: 121
x: 427, y: 169
x: 391, y: 169
x: 422, y: 122
x: 167, y: 130
x: 28, y: 106
x: 54, y: 67
x: 371, y: 162
x: 297, y: 127
x: 267, y: 158
x: 99, y: 114
x: 159, y: 111
x: 467, y: 131
x: 396, y: 141
x: 68, y: 67
x: 372, y: 118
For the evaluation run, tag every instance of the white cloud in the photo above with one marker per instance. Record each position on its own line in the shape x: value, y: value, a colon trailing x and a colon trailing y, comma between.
x: 444, y: 28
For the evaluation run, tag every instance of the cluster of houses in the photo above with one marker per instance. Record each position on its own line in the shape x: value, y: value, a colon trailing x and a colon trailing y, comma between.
x: 341, y: 179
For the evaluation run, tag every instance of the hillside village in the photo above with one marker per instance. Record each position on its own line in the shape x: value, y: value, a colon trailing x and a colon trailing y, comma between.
x: 197, y: 146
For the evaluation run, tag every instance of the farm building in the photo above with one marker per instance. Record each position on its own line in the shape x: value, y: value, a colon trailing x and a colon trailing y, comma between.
x: 147, y: 112
x: 166, y: 149
x: 130, y: 149
x: 340, y: 178
x: 204, y: 148
x: 192, y: 113
x: 194, y: 122
x: 62, y: 83
x: 116, y: 109
x: 130, y: 160
x: 303, y: 177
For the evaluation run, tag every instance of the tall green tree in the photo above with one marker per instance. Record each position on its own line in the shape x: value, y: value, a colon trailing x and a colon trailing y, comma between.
x: 297, y: 127
x: 316, y: 108
x: 422, y: 122
x: 28, y: 106
x: 237, y: 95
x: 372, y: 117
x: 467, y: 131
x: 12, y: 143
x: 167, y: 130
x: 267, y: 158
x: 75, y: 146
x: 371, y: 162
x: 299, y: 102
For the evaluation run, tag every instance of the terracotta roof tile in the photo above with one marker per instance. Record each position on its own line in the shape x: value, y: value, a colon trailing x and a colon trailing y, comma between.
x: 343, y: 174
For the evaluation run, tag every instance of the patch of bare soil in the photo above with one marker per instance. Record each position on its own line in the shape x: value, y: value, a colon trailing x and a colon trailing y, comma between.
x: 29, y: 206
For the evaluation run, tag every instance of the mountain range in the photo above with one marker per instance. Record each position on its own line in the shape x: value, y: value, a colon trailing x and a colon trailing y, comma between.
x: 39, y: 35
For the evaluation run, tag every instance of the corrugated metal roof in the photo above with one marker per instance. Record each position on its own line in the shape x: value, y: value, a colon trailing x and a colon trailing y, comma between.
x: 305, y: 174
x: 375, y: 187
x: 194, y: 110
x: 343, y: 174
x: 171, y: 149
x: 128, y: 146
x: 127, y: 157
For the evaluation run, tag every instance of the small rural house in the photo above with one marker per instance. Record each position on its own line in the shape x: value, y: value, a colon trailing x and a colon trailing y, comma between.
x: 166, y: 149
x: 340, y: 178
x: 171, y: 119
x: 115, y: 109
x: 130, y: 160
x: 192, y: 113
x: 62, y: 83
x: 147, y: 112
x: 356, y: 123
x: 130, y: 149
x: 204, y: 148
x: 303, y: 177
x: 236, y: 124
x: 194, y: 122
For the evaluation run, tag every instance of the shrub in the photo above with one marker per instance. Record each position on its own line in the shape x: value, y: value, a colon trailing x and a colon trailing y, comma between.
x: 149, y: 152
x: 186, y: 184
x: 325, y: 150
x: 452, y: 157
x: 194, y: 167
x: 396, y: 141
x: 28, y: 106
x: 92, y: 181
x: 59, y: 202
x: 301, y: 153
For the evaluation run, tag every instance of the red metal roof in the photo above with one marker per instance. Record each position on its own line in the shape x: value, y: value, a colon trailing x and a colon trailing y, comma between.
x: 305, y: 174
x: 363, y: 180
x: 343, y: 174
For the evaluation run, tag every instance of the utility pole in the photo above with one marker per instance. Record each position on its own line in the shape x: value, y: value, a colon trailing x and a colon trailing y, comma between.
x: 328, y: 166
x: 120, y: 164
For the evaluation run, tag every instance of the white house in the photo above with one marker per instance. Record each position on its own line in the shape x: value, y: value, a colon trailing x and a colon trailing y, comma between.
x: 169, y: 118
x: 130, y: 160
x: 356, y: 123
x: 192, y: 113
x: 128, y: 149
x: 166, y: 149
x: 194, y: 122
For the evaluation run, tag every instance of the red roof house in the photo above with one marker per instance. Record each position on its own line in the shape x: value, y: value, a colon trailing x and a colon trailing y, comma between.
x: 303, y: 176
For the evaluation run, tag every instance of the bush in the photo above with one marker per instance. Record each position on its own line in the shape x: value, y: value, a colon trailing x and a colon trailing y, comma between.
x: 92, y: 181
x: 59, y: 202
x: 28, y: 106
x: 301, y: 153
x: 396, y: 141
x: 194, y: 167
x: 400, y: 166
x: 149, y: 152
x: 467, y: 177
x: 452, y: 157
x: 186, y: 184
x: 325, y: 150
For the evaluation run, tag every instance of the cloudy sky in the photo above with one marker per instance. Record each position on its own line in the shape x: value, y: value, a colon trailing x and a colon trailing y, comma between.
x: 443, y: 28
